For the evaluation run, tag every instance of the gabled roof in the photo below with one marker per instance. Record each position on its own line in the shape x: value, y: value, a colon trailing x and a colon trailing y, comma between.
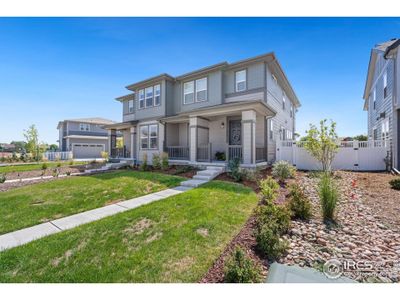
x: 384, y: 48
x: 269, y: 58
x: 94, y: 120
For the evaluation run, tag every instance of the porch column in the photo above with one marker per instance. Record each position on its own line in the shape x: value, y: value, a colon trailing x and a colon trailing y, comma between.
x: 249, y: 137
x: 133, y: 142
x: 193, y: 138
x: 112, y: 142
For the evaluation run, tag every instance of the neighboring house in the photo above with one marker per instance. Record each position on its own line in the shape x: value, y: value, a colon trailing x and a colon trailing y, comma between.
x: 240, y: 109
x: 381, y: 96
x: 86, y: 138
x: 7, y: 147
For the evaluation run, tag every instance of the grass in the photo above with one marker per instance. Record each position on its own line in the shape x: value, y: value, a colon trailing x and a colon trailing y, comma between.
x: 38, y: 203
x: 173, y: 240
x: 35, y: 166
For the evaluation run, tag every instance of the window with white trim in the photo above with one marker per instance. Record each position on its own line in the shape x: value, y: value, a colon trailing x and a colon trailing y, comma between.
x: 157, y: 95
x: 149, y: 136
x: 84, y: 127
x: 385, y: 85
x: 201, y: 89
x: 141, y: 99
x: 375, y: 133
x: 385, y: 129
x: 188, y: 92
x: 291, y: 110
x: 130, y: 106
x: 271, y: 129
x: 240, y: 81
x: 149, y: 96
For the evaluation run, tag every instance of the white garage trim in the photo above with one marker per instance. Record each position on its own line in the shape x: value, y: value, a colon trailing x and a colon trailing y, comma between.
x: 83, y: 145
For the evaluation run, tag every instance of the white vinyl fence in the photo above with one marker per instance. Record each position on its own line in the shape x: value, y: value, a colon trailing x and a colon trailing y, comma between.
x: 354, y: 155
x: 67, y: 155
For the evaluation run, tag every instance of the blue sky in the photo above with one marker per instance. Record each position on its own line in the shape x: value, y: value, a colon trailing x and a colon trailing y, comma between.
x: 57, y: 68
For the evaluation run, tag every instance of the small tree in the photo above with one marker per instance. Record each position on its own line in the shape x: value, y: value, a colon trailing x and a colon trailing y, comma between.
x: 321, y: 143
x: 32, y: 140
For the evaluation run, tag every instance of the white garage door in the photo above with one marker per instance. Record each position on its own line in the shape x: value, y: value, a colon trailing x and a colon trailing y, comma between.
x: 87, y: 150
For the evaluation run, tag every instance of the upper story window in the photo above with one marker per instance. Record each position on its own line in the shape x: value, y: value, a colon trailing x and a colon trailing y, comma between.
x: 374, y: 98
x: 157, y: 95
x: 84, y: 127
x: 149, y: 136
x: 385, y: 84
x: 240, y: 81
x: 291, y: 111
x: 195, y: 91
x: 150, y: 96
x: 201, y: 89
x: 385, y: 129
x: 130, y: 106
x: 141, y: 99
x: 283, y: 101
x: 188, y: 92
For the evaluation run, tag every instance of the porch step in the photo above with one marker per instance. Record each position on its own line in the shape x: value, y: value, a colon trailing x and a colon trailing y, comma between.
x: 211, y: 173
x: 216, y: 168
x: 193, y: 182
x: 202, y: 177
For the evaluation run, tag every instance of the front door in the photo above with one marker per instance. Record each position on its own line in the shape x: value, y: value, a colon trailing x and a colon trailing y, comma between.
x: 235, y: 132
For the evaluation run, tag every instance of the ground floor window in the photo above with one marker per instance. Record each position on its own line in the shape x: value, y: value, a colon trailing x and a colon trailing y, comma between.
x: 385, y: 130
x: 149, y: 136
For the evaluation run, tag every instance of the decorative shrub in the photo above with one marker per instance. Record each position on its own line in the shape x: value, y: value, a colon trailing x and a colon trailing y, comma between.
x: 299, y: 204
x: 241, y: 269
x: 183, y: 169
x: 144, y: 166
x: 55, y: 172
x: 269, y: 189
x: 220, y: 156
x: 234, y: 170
x: 44, y: 166
x: 276, y: 216
x: 2, y: 178
x: 58, y: 165
x: 328, y: 196
x: 283, y: 170
x: 156, y: 162
x: 104, y: 155
x: 395, y: 184
x: 269, y: 242
x: 164, y: 161
x: 68, y: 173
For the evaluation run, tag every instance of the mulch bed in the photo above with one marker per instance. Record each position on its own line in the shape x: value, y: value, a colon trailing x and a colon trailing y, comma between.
x: 12, y: 185
x: 380, y: 197
x: 175, y: 170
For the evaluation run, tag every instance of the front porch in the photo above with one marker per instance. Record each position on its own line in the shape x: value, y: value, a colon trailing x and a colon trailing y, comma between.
x: 122, y: 141
x: 216, y: 137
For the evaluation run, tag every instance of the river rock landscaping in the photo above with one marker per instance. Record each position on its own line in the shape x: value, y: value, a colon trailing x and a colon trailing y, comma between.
x: 360, y: 235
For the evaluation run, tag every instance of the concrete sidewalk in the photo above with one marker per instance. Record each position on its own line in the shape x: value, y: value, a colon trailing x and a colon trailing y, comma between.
x: 26, y: 235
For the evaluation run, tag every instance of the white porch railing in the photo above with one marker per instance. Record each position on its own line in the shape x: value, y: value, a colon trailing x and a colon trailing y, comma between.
x: 63, y: 155
x: 352, y: 155
x: 178, y: 152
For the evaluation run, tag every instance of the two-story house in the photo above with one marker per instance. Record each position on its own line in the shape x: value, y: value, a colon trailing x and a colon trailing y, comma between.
x: 86, y: 137
x: 220, y: 112
x: 381, y: 96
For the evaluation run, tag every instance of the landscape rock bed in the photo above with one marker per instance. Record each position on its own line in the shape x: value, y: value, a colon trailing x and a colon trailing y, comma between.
x: 12, y: 185
x: 359, y: 235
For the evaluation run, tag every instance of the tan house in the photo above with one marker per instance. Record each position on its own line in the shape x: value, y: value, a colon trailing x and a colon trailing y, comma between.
x: 209, y: 116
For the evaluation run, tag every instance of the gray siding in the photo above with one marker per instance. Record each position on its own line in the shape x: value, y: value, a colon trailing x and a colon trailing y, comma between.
x: 151, y: 112
x: 214, y: 93
x: 282, y: 118
x: 255, y: 77
x: 383, y: 105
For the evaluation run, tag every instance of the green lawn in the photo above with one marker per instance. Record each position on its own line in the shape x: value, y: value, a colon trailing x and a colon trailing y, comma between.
x: 35, y: 166
x: 173, y: 240
x: 38, y: 203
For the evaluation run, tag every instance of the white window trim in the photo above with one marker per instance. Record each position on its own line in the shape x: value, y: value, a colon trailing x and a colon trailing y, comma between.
x: 86, y: 127
x: 196, y: 90
x: 192, y: 92
x: 142, y: 100
x: 154, y: 94
x: 283, y: 101
x: 237, y: 82
x: 271, y: 130
x: 148, y: 136
x: 131, y: 106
